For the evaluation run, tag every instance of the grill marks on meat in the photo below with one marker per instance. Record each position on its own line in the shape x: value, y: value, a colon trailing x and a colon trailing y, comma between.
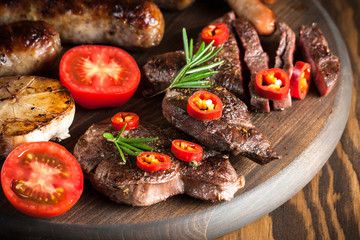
x: 232, y: 132
x: 255, y: 58
x: 284, y: 59
x: 128, y: 184
x: 130, y: 24
x: 325, y: 66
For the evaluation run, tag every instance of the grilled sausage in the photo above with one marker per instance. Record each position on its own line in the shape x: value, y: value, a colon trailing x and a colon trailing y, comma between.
x: 257, y: 13
x: 173, y: 4
x: 27, y: 47
x: 130, y: 24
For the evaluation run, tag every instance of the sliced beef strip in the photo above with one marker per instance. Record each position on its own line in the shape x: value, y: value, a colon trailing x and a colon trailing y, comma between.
x: 232, y: 132
x: 126, y: 183
x: 284, y: 59
x: 325, y: 66
x: 229, y: 73
x: 255, y: 58
x: 160, y: 70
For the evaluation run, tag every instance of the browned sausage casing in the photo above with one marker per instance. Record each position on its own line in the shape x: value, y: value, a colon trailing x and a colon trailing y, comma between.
x: 257, y: 13
x: 27, y: 47
x: 173, y: 4
x: 127, y: 23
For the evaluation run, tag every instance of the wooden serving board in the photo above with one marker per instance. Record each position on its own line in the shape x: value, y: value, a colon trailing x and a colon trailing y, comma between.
x: 304, y: 135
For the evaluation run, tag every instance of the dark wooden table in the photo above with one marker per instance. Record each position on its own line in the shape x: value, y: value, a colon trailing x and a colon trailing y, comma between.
x: 329, y: 206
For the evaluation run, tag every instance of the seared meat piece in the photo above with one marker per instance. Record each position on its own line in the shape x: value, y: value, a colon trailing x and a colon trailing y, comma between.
x: 284, y: 59
x: 28, y: 47
x: 232, y: 132
x: 255, y: 58
x: 160, y: 70
x: 173, y: 4
x: 129, y: 24
x: 229, y: 73
x: 325, y: 66
x: 100, y: 161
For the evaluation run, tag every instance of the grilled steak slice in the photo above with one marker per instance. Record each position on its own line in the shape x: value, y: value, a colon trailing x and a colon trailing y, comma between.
x: 101, y: 163
x: 229, y: 73
x: 255, y: 58
x: 160, y: 70
x: 284, y: 59
x: 232, y: 132
x: 325, y: 66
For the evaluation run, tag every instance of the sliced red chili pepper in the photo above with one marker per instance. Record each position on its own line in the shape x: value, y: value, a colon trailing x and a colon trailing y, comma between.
x: 151, y: 161
x: 203, y: 105
x: 186, y: 151
x: 218, y: 32
x: 300, y: 80
x: 120, y: 119
x: 272, y: 84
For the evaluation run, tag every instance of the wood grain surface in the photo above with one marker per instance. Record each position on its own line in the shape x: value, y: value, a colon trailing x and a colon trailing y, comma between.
x: 329, y: 206
x: 321, y: 210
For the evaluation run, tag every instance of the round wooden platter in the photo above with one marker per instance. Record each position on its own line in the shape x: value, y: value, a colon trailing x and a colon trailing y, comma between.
x: 305, y: 135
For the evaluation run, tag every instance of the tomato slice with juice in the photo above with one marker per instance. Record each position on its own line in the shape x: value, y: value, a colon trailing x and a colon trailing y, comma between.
x: 42, y: 179
x: 99, y: 76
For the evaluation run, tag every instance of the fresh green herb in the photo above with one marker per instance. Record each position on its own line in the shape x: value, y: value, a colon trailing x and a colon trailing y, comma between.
x: 190, y: 74
x: 132, y: 146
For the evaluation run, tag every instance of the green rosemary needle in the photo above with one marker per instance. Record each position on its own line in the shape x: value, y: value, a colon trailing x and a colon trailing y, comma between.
x: 190, y: 74
x: 131, y: 146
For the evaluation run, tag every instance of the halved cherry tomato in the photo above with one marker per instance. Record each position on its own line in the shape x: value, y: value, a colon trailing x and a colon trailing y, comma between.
x: 99, y: 76
x: 300, y: 80
x: 203, y: 105
x: 151, y: 161
x: 120, y: 119
x: 186, y: 151
x: 42, y: 179
x: 217, y: 32
x: 272, y: 84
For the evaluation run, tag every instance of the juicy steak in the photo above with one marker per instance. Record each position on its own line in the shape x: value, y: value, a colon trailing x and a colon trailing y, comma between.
x: 255, y: 58
x: 284, y: 59
x: 160, y: 70
x: 325, y: 66
x: 232, y: 132
x: 214, y: 179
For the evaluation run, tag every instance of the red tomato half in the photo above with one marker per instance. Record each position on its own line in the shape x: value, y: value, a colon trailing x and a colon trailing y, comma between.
x: 121, y: 118
x: 99, y: 76
x: 42, y: 179
x: 186, y: 151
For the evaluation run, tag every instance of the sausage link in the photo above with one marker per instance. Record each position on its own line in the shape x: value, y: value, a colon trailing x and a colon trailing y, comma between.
x: 27, y: 47
x: 130, y: 24
x: 257, y: 13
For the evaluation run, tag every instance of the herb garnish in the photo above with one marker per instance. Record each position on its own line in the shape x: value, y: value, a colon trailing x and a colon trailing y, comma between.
x: 132, y: 146
x: 189, y: 76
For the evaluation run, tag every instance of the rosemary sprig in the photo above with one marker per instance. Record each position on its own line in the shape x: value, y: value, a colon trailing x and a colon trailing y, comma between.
x: 190, y: 74
x: 132, y: 146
